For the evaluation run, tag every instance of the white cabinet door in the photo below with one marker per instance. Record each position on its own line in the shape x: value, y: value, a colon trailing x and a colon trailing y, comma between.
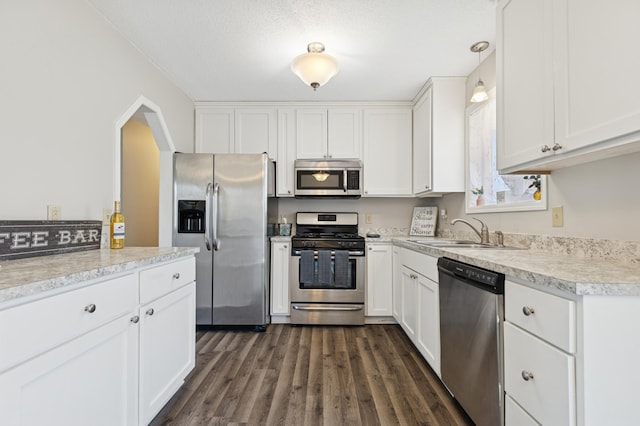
x: 379, y: 280
x: 422, y: 143
x: 387, y: 152
x: 344, y: 133
x: 287, y: 153
x: 215, y: 130
x: 311, y: 133
x: 597, y: 64
x: 280, y: 260
x: 256, y: 131
x: 409, y: 319
x: 428, y: 333
x: 92, y: 379
x: 438, y: 137
x: 167, y: 348
x: 397, y: 285
x: 524, y: 73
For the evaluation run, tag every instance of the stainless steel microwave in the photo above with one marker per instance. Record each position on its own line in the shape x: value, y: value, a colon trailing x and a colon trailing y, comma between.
x: 328, y: 178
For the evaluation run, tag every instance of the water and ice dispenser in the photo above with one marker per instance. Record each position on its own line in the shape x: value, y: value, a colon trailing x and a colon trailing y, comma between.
x: 191, y: 214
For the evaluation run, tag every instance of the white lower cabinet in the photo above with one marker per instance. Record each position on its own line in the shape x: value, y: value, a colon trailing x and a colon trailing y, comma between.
x: 418, y: 308
x: 396, y: 284
x: 167, y: 348
x: 92, y: 379
x: 280, y: 260
x: 379, y: 278
x: 95, y: 355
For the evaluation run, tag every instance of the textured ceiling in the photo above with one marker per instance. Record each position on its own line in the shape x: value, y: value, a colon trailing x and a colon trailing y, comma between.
x: 240, y: 50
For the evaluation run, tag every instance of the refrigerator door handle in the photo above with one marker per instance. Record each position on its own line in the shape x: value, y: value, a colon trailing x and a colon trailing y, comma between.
x: 216, y: 206
x: 207, y: 209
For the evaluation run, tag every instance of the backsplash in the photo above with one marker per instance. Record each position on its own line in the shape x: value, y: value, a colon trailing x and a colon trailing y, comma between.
x: 588, y: 248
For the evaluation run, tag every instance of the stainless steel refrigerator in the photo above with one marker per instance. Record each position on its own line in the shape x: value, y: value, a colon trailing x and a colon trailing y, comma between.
x: 221, y: 204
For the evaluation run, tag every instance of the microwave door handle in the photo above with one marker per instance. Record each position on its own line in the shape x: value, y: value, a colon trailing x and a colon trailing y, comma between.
x: 344, y: 180
x: 207, y: 221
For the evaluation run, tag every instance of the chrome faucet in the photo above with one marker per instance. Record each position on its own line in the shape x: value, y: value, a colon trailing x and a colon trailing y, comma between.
x: 483, y: 233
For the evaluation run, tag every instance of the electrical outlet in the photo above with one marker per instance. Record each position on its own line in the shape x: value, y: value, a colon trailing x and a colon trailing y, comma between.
x: 106, y: 216
x: 557, y: 217
x: 368, y: 218
x: 54, y: 212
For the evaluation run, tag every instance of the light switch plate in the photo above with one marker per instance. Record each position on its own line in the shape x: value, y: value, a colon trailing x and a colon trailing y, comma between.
x: 54, y: 212
x: 557, y: 217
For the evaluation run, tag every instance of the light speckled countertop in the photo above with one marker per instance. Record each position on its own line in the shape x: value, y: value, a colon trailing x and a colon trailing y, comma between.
x: 570, y: 274
x: 26, y: 278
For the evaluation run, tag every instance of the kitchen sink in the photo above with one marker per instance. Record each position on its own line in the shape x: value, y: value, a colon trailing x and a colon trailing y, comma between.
x: 462, y: 244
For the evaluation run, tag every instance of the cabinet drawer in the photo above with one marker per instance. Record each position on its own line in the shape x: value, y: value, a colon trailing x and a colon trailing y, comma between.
x: 549, y: 317
x: 160, y: 280
x: 421, y: 263
x: 549, y: 396
x: 30, y: 329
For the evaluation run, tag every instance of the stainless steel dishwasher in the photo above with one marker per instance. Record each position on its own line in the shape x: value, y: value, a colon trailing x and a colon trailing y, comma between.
x: 471, y: 315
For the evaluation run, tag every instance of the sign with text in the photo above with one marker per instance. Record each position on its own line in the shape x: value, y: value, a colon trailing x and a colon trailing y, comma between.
x: 423, y: 222
x: 30, y: 238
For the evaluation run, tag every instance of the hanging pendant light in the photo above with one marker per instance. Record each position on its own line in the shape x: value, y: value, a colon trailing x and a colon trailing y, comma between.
x: 315, y: 67
x: 479, y: 92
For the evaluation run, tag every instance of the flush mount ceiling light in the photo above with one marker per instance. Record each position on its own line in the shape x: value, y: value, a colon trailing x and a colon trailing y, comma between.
x: 479, y: 92
x: 315, y: 67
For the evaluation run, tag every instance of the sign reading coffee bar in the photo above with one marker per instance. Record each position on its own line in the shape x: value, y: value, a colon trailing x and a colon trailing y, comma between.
x: 29, y: 238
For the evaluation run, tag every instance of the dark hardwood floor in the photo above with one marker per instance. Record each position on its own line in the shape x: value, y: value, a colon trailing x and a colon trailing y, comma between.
x: 299, y: 375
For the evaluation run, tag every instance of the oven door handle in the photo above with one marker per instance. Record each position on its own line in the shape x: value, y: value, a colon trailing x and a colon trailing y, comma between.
x: 326, y: 308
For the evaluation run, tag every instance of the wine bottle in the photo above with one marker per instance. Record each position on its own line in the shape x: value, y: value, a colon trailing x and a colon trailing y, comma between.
x: 117, y: 227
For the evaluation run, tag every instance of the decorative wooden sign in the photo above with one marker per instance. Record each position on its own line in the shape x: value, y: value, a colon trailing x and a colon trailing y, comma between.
x: 30, y: 238
x: 424, y: 221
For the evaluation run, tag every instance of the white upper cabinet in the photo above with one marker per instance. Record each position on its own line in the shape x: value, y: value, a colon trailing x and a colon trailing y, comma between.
x: 249, y: 130
x: 328, y: 133
x: 387, y: 152
x: 286, y: 152
x: 567, y: 91
x: 438, y: 137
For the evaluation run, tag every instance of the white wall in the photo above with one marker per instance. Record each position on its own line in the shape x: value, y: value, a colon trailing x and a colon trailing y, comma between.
x: 599, y: 199
x: 66, y: 77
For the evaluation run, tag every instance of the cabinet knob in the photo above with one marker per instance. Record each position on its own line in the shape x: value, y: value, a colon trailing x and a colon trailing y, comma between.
x: 91, y: 308
x: 426, y: 187
x: 545, y: 148
x: 527, y: 375
x: 285, y: 246
x: 289, y: 191
x: 134, y: 319
x: 527, y: 310
x: 150, y: 311
x: 176, y: 276
x: 556, y: 147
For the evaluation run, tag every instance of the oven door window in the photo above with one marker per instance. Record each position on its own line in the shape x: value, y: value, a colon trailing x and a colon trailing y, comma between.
x: 321, y: 272
x: 320, y: 179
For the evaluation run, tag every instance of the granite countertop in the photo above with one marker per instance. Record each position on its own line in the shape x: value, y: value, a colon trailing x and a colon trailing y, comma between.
x: 27, y: 278
x: 570, y: 274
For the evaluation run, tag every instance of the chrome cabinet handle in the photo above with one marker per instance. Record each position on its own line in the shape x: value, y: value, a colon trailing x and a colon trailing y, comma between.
x: 527, y: 310
x: 527, y: 375
x: 176, y: 276
x: 556, y: 147
x: 150, y: 311
x: 134, y: 319
x: 545, y: 148
x: 91, y: 308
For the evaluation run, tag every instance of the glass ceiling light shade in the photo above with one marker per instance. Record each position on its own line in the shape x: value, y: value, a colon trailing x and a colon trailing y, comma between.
x: 315, y: 67
x: 479, y: 92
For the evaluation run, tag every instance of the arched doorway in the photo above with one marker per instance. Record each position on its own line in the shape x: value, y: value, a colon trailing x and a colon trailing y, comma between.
x: 146, y: 113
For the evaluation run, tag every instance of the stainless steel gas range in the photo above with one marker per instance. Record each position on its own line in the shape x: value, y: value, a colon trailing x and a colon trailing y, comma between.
x: 326, y: 276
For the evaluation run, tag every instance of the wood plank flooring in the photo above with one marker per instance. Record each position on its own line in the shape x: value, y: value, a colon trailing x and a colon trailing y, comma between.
x: 303, y: 375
